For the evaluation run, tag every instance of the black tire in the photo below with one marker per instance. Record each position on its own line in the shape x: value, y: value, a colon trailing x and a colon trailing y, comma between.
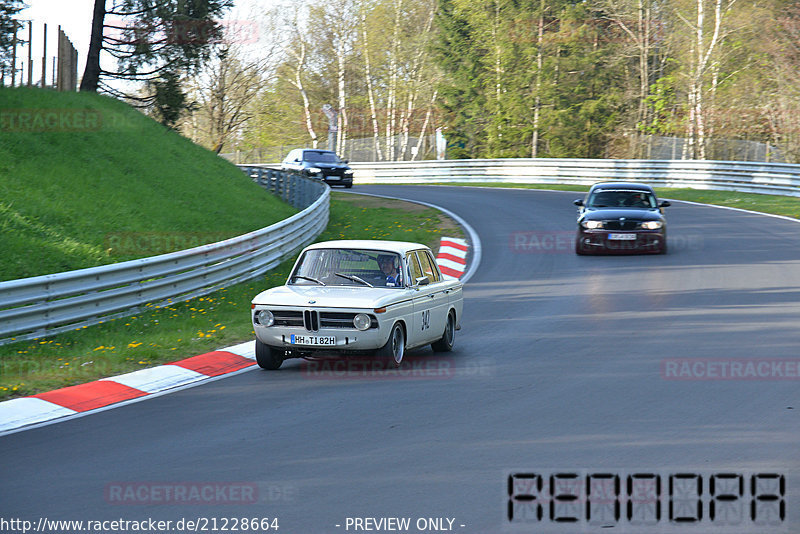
x: 348, y: 186
x: 395, y: 347
x: 445, y: 344
x: 268, y: 357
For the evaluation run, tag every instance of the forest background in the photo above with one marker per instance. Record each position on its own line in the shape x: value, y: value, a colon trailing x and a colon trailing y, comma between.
x: 655, y: 79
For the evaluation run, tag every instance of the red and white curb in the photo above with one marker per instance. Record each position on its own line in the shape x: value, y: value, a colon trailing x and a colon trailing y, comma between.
x: 73, y: 400
x: 44, y: 407
x: 452, y: 257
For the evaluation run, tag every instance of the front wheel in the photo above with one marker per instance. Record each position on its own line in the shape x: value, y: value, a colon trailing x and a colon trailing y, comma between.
x: 445, y: 343
x: 395, y: 346
x: 269, y: 357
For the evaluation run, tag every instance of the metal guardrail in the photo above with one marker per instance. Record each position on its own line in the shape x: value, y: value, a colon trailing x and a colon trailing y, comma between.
x: 751, y: 177
x: 45, y: 305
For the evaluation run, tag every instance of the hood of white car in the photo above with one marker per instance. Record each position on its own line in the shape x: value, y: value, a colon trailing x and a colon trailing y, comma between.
x: 331, y: 297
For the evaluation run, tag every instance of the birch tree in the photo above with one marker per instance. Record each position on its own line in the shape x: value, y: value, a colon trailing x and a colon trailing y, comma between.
x: 706, y: 36
x: 293, y: 72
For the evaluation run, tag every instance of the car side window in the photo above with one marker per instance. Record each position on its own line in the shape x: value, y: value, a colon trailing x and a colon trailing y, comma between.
x: 413, y: 267
x: 428, y: 266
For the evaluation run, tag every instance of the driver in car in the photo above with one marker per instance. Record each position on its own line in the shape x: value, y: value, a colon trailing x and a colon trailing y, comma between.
x: 387, y: 264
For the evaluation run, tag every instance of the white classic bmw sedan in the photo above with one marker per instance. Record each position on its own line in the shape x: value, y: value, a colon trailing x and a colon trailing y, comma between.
x: 356, y: 297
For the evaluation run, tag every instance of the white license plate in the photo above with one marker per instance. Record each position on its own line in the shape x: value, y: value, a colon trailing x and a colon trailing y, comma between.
x: 622, y: 237
x: 322, y: 341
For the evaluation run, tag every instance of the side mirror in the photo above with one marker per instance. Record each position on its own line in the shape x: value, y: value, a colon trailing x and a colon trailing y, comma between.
x: 578, y: 202
x: 422, y: 281
x: 664, y: 204
x: 347, y: 161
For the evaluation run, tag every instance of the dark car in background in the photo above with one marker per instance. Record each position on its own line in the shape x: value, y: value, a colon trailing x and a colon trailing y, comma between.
x: 322, y: 165
x: 619, y: 217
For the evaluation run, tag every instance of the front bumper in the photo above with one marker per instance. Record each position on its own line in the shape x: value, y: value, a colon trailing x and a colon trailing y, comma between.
x: 338, y: 180
x: 332, y: 178
x: 280, y: 337
x: 599, y: 241
x: 347, y: 339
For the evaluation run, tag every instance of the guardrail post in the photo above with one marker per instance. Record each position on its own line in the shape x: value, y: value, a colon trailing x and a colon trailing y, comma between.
x: 293, y: 200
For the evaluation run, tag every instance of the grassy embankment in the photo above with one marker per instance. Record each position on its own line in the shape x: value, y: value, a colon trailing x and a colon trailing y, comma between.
x: 125, y: 188
x: 87, y: 180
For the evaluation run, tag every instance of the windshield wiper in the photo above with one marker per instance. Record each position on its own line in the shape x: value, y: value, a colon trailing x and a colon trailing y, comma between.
x: 309, y: 279
x: 354, y: 278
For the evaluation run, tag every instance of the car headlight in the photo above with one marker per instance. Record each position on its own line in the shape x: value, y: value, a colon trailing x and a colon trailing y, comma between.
x: 314, y: 170
x: 265, y: 318
x: 348, y: 171
x: 592, y: 225
x: 652, y: 225
x: 362, y: 321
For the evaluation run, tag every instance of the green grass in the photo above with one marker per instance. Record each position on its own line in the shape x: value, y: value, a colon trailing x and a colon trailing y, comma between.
x: 115, y: 187
x: 774, y: 204
x: 181, y: 330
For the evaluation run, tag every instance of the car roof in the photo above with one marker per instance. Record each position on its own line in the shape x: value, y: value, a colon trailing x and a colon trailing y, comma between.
x: 400, y: 247
x: 622, y: 185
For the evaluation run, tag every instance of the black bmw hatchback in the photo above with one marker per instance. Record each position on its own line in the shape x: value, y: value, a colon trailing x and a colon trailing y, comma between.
x: 319, y: 164
x: 619, y: 217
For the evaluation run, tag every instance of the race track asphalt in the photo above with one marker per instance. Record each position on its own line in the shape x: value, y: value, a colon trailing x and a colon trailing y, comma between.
x: 564, y: 364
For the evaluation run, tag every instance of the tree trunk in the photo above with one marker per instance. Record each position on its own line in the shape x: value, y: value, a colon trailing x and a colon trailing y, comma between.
x: 537, y: 103
x: 342, y: 118
x: 298, y: 83
x: 370, y: 90
x: 425, y: 125
x: 91, y: 74
x: 391, y: 122
x: 498, y: 79
x: 413, y: 90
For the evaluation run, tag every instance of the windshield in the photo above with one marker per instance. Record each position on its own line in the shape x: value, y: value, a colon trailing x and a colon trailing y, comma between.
x: 348, y: 267
x: 315, y: 156
x: 606, y: 198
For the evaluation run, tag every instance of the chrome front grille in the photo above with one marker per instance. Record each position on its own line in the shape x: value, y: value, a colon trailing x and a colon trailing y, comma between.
x: 287, y: 318
x: 313, y: 320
